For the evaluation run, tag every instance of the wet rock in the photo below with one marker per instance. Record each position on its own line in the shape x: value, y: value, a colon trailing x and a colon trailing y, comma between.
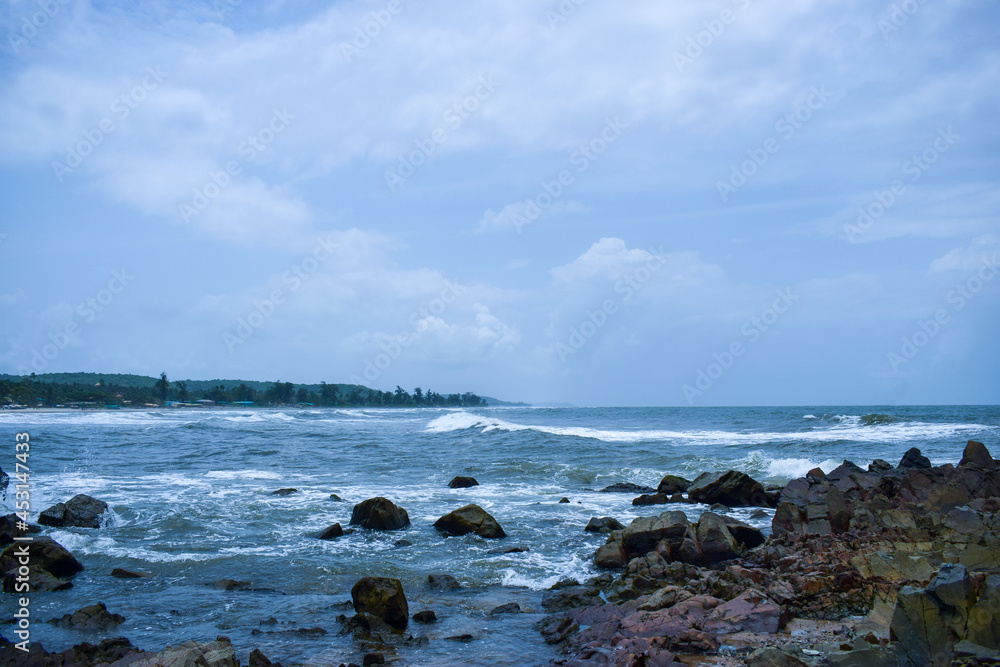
x: 4, y: 482
x: 563, y: 500
x: 759, y: 514
x: 651, y: 499
x: 465, y: 639
x: 913, y: 459
x: 9, y: 529
x: 745, y: 534
x: 426, y: 616
x: 462, y: 482
x: 774, y: 657
x: 40, y: 579
x: 879, y: 466
x: 443, y: 581
x: 231, y: 585
x: 107, y: 652
x: 330, y: 532
x: 672, y: 484
x: 718, y: 507
x: 258, y: 659
x: 730, y: 488
x: 80, y: 511
x: 611, y: 556
x: 45, y: 554
x: 557, y: 629
x: 570, y: 596
x: 93, y: 618
x: 643, y: 534
x: 514, y: 549
x: 399, y: 544
x: 383, y: 598
x: 379, y: 514
x: 121, y: 573
x: 470, y: 519
x: 509, y: 608
x: 715, y: 542
x: 284, y: 492
x: 750, y: 612
x: 627, y: 487
x: 976, y: 454
x: 373, y: 659
x: 334, y: 497
x: 605, y: 524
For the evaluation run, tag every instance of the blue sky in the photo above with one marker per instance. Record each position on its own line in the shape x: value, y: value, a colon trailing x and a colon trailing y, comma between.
x: 645, y: 203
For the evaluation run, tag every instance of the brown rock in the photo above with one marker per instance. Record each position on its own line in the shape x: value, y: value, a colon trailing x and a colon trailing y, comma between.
x: 44, y: 553
x: 93, y: 618
x: 672, y: 484
x: 730, y: 488
x: 750, y: 612
x: 976, y: 454
x: 383, y: 598
x: 470, y: 519
x: 605, y: 524
x: 379, y: 514
x: 715, y: 542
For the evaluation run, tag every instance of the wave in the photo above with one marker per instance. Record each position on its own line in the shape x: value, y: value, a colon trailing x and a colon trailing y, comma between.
x: 884, y: 429
x: 877, y: 419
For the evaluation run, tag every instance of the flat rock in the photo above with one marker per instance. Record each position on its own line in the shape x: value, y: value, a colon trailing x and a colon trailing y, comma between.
x: 750, y: 612
x: 651, y: 499
x: 284, y: 492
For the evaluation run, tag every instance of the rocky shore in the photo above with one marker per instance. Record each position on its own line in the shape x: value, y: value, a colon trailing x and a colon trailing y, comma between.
x: 889, y: 565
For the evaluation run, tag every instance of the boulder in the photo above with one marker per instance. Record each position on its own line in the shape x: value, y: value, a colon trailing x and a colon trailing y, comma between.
x: 470, y: 519
x: 563, y: 500
x: 627, y: 487
x: 730, y: 488
x: 81, y: 511
x: 651, y: 499
x: 426, y: 616
x: 330, y: 532
x: 605, y: 524
x: 219, y: 653
x: 44, y: 553
x: 383, y: 598
x: 11, y: 526
x: 445, y: 581
x: 41, y: 580
x: 976, y: 454
x: 643, y: 534
x: 284, y: 492
x: 611, y: 556
x: 672, y: 484
x: 94, y: 618
x: 879, y: 466
x: 121, y: 573
x: 258, y: 659
x: 509, y: 608
x: 379, y: 514
x: 462, y: 482
x: 715, y: 542
x: 913, y: 459
x: 745, y: 534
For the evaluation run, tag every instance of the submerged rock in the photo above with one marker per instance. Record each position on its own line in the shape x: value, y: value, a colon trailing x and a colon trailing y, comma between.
x: 93, y: 618
x: 121, y: 573
x: 284, y: 492
x: 383, y: 598
x: 426, y: 616
x: 509, y: 608
x: 445, y: 581
x: 81, y: 511
x: 627, y: 487
x: 379, y: 514
x: 470, y: 519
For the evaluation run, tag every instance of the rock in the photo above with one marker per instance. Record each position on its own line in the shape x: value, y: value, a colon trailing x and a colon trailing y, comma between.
x: 94, y: 618
x: 373, y: 659
x: 718, y: 507
x: 219, y: 653
x: 231, y: 585
x: 750, y: 612
x: 759, y: 514
x: 9, y: 529
x: 879, y: 466
x: 514, y: 549
x: 119, y: 651
x: 605, y: 524
x: 643, y: 534
x: 383, y: 598
x: 651, y: 499
x: 426, y: 616
x: 983, y: 626
x: 379, y: 514
x: 462, y: 482
x: 672, y: 484
x: 121, y: 573
x: 563, y: 500
x: 399, y: 544
x: 610, y: 556
x: 913, y: 459
x: 258, y: 659
x: 715, y: 542
x: 816, y: 473
x: 470, y: 519
x: 976, y: 454
x: 44, y: 553
x: 330, y: 532
x: 445, y: 581
x: 41, y: 580
x: 4, y: 482
x: 731, y: 488
x: 334, y: 497
x: 773, y: 657
x: 80, y: 511
x: 627, y: 487
x: 284, y: 492
x: 745, y: 534
x: 509, y: 608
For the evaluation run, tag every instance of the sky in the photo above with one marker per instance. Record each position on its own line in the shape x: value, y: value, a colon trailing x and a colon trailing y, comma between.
x: 732, y: 202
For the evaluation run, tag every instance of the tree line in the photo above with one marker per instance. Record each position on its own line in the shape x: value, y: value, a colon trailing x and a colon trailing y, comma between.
x: 36, y: 392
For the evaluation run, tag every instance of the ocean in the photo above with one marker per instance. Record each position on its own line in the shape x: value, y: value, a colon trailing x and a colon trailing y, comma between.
x: 192, y: 501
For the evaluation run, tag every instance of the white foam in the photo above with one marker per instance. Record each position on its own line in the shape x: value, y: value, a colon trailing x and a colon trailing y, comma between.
x: 243, y: 474
x: 793, y: 468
